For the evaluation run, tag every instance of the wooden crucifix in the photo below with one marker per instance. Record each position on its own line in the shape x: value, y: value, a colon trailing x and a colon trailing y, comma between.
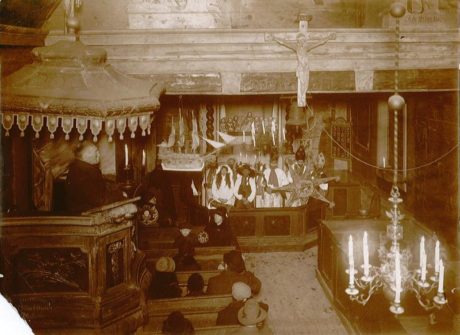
x: 302, y: 47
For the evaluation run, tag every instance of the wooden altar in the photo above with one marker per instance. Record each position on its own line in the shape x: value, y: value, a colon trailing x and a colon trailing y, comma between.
x: 273, y: 229
x: 71, y: 274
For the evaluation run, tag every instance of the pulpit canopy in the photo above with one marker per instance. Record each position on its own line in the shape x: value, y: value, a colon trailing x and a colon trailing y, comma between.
x: 70, y: 85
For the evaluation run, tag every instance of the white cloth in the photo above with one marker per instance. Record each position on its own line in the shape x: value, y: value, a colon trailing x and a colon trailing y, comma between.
x: 252, y: 183
x: 10, y: 320
x: 223, y: 193
x: 282, y: 178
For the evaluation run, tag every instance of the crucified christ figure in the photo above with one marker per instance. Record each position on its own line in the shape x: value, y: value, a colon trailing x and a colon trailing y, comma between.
x: 302, y: 48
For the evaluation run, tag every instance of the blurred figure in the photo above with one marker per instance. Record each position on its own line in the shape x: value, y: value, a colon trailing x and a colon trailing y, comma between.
x: 234, y: 271
x: 223, y: 188
x: 85, y: 187
x: 240, y: 293
x: 177, y: 324
x: 164, y: 283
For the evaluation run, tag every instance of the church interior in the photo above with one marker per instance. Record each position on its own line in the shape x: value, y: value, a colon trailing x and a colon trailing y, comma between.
x: 230, y: 167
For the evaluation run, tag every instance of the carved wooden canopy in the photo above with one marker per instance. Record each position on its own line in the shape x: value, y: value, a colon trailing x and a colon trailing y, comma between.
x: 71, y: 86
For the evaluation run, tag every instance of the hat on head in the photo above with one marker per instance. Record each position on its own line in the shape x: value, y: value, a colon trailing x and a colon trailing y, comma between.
x: 165, y: 264
x: 184, y: 224
x: 234, y: 261
x: 251, y: 313
x: 300, y: 154
x: 241, y: 291
x: 246, y: 166
x: 222, y: 211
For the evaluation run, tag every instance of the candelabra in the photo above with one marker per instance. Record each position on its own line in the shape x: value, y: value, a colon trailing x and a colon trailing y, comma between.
x: 394, y: 275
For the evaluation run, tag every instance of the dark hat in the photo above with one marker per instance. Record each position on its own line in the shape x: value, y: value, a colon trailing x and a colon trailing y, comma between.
x: 195, y: 282
x: 300, y: 154
x: 184, y: 224
x: 251, y: 313
x: 176, y: 323
x: 234, y: 261
x: 246, y: 166
x: 222, y: 211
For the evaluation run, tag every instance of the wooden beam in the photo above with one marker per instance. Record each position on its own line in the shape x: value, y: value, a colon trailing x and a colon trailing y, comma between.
x: 417, y: 79
x: 21, y: 36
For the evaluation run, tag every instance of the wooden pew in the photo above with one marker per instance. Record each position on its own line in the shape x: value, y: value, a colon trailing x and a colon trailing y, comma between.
x: 200, y: 252
x: 216, y: 330
x: 198, y: 319
x: 205, y: 303
x: 182, y: 276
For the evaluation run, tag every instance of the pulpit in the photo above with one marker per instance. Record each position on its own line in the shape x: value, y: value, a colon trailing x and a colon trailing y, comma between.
x: 70, y: 273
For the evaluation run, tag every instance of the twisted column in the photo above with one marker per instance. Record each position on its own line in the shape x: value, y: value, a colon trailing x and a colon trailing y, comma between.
x: 209, y: 125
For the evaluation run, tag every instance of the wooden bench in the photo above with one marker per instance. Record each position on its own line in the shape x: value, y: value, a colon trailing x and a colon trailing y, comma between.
x: 198, y: 320
x: 199, y: 252
x: 216, y: 330
x: 205, y: 303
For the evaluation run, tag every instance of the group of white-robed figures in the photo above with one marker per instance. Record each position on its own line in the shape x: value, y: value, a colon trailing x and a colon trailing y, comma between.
x: 263, y: 186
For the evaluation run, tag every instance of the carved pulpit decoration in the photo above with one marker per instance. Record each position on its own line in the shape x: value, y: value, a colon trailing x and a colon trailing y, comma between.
x: 302, y: 46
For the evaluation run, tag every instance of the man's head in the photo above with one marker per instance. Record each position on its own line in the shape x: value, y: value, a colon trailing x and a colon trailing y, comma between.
x: 273, y: 161
x: 300, y: 155
x: 234, y: 261
x: 219, y: 214
x: 88, y: 152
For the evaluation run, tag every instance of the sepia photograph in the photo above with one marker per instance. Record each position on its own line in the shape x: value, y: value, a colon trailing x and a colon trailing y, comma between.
x: 223, y: 167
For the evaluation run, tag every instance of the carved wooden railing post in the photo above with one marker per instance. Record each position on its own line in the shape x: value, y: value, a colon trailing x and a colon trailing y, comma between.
x: 209, y: 125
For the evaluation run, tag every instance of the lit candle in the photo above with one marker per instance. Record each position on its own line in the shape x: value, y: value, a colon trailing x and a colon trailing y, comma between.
x: 284, y: 134
x: 263, y: 126
x: 422, y: 250
x: 423, y: 268
x: 143, y: 157
x: 436, y: 257
x: 397, y: 278
x: 253, y: 132
x: 126, y: 155
x: 351, y: 260
x: 273, y: 131
x: 366, y: 255
x: 441, y: 277
x: 244, y: 136
x: 384, y: 163
x: 240, y: 156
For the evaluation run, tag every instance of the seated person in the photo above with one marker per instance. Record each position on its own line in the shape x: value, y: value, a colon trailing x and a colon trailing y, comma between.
x: 245, y: 187
x: 275, y: 177
x: 164, y: 283
x: 195, y: 285
x: 229, y: 315
x: 157, y: 184
x: 185, y: 260
x: 234, y: 271
x: 222, y: 188
x: 177, y: 324
x: 218, y: 230
x: 85, y: 187
x: 252, y: 317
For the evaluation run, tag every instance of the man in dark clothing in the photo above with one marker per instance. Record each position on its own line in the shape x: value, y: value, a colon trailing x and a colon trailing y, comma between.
x: 158, y: 184
x: 229, y: 315
x: 235, y: 271
x: 85, y: 187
